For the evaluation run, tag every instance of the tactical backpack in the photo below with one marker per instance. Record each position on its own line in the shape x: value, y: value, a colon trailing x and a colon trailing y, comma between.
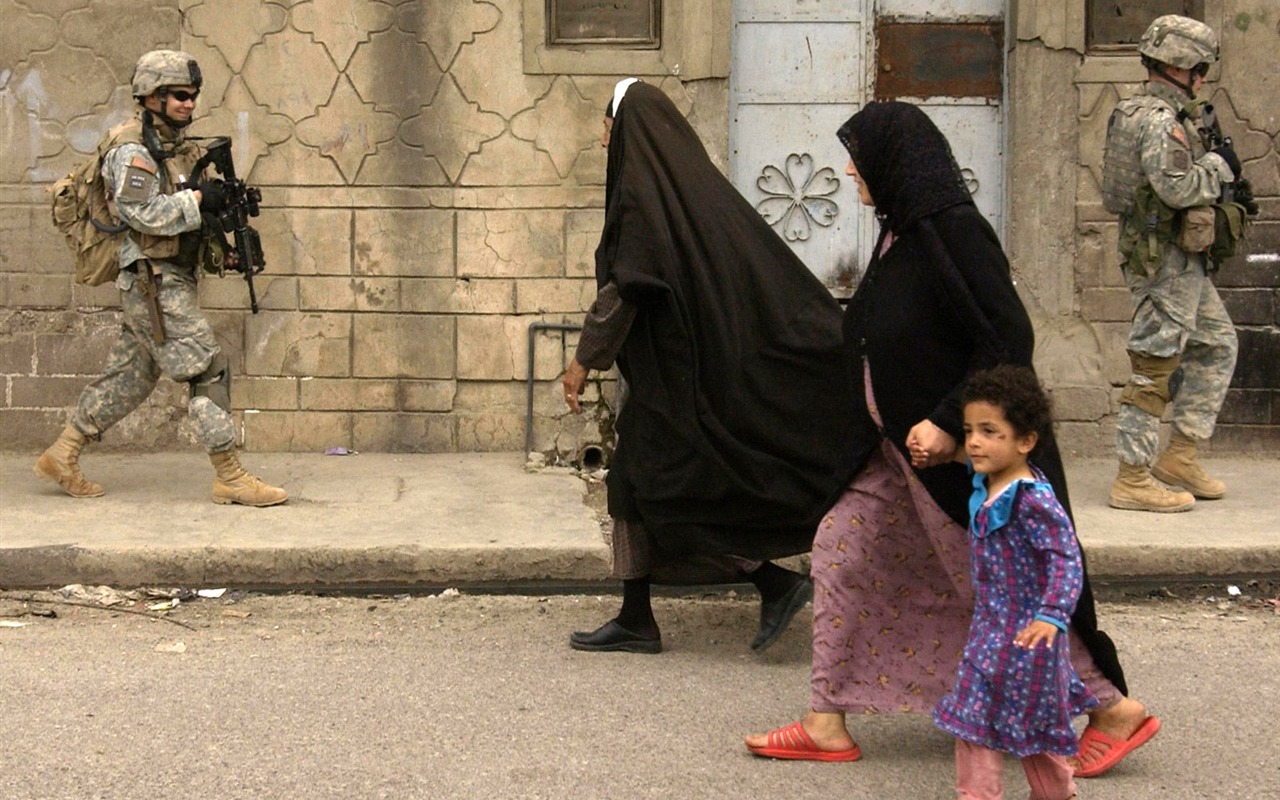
x: 81, y: 212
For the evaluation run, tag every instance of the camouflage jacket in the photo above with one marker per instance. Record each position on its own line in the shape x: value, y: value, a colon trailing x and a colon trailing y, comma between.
x: 144, y: 194
x: 1174, y: 161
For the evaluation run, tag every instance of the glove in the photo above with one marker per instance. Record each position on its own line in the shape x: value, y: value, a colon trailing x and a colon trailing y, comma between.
x: 212, y: 198
x: 1244, y: 196
x: 1228, y: 154
x: 210, y: 221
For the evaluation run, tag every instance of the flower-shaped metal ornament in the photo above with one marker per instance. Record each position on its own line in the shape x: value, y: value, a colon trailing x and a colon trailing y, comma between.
x: 796, y: 208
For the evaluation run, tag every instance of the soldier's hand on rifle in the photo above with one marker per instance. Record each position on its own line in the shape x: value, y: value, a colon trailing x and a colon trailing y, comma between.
x: 1228, y: 154
x: 211, y: 222
x: 213, y: 199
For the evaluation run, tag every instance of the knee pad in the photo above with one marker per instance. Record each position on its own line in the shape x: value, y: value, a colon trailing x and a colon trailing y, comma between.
x: 1154, y: 382
x: 214, y: 383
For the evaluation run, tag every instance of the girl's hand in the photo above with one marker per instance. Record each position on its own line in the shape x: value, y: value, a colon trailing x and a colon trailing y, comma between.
x: 575, y: 377
x: 929, y: 445
x: 1038, y: 631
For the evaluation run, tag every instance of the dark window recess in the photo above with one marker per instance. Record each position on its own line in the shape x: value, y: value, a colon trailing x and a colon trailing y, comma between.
x: 934, y: 59
x: 634, y: 24
x: 1119, y: 23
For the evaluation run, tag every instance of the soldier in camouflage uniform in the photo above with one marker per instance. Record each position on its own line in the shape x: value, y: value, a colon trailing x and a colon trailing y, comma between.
x: 145, y: 163
x: 1182, y: 345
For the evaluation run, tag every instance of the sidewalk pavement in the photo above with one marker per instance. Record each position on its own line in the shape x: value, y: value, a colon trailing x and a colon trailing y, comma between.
x: 374, y: 521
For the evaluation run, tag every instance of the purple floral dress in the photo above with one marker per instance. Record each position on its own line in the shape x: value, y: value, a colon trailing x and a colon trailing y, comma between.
x: 1026, y: 564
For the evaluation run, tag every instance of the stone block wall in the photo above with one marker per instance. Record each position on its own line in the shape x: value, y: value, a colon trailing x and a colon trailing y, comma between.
x: 1063, y: 243
x: 425, y: 199
x: 433, y: 184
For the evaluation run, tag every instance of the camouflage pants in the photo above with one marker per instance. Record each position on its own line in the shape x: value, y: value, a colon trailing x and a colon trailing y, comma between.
x: 1178, y: 311
x: 136, y: 361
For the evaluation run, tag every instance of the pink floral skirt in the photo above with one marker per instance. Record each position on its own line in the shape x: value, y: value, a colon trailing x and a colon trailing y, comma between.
x: 893, y: 598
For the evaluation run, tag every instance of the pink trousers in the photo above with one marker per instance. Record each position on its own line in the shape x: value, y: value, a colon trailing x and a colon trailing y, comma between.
x: 980, y: 774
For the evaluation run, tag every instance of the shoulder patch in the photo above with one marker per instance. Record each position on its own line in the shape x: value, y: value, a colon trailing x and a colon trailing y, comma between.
x: 1181, y: 160
x: 138, y: 183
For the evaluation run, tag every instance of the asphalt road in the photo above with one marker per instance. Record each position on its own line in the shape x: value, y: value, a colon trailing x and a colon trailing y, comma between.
x: 480, y: 697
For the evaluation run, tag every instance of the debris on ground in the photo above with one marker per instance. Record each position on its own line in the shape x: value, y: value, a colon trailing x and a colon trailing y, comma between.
x: 1227, y: 599
x: 156, y: 603
x: 99, y: 595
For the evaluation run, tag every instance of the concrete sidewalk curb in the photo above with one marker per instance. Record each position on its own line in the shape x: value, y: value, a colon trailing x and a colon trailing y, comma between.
x: 479, y: 519
x: 313, y: 568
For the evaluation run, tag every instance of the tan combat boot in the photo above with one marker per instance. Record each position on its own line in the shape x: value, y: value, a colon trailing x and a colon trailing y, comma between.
x: 233, y: 485
x: 60, y: 464
x: 1177, y: 466
x: 1134, y: 490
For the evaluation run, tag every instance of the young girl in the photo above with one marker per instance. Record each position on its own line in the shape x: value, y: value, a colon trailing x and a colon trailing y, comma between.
x: 1015, y: 690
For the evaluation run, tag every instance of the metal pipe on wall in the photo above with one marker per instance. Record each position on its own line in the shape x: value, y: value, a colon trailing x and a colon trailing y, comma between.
x: 533, y: 334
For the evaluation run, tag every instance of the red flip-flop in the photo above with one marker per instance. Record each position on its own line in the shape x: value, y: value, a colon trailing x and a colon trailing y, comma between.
x: 1100, y: 752
x: 791, y: 741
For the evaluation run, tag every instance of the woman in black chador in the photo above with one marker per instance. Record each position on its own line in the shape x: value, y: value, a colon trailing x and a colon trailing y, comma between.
x: 730, y: 349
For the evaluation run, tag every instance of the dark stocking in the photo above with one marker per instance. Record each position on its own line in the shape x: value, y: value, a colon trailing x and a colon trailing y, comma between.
x: 772, y: 581
x: 636, y: 614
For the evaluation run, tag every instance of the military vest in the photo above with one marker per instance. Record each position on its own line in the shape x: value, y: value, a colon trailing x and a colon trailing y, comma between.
x: 179, y: 166
x: 1122, y: 160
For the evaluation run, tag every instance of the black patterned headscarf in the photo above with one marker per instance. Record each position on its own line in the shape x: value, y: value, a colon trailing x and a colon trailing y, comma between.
x: 905, y: 162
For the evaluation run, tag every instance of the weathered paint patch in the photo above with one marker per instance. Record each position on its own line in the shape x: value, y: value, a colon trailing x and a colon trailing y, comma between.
x: 934, y: 59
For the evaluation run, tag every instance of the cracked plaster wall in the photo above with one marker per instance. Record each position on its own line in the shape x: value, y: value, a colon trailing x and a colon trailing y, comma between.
x: 425, y: 200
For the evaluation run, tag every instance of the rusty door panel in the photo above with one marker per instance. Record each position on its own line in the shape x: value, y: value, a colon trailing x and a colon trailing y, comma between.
x: 938, y: 59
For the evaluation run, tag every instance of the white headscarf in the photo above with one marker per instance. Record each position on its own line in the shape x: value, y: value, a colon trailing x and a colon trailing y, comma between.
x: 620, y: 91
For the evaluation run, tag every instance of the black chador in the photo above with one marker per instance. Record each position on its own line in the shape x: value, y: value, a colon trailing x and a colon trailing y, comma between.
x: 739, y: 394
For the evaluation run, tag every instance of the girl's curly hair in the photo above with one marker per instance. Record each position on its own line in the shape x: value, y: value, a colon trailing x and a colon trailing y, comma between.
x: 1017, y: 392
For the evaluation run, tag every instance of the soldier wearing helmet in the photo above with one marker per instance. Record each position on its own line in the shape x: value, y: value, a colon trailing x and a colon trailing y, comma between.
x: 146, y: 163
x: 1180, y: 43
x: 157, y: 74
x: 1160, y: 181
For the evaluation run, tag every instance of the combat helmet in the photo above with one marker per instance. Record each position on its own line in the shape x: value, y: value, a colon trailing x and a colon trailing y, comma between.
x: 161, y: 68
x: 1180, y: 42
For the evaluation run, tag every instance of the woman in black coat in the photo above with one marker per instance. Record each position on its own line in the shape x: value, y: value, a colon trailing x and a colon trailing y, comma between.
x: 892, y: 598
x: 730, y: 348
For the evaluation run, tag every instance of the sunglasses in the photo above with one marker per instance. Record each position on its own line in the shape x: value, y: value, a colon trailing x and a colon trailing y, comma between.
x: 183, y: 96
x: 1201, y: 69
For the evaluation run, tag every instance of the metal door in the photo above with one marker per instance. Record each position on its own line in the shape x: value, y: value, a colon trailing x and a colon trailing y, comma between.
x: 801, y: 68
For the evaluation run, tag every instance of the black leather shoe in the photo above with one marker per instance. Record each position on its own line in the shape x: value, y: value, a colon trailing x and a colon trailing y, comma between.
x: 612, y: 637
x: 776, y: 615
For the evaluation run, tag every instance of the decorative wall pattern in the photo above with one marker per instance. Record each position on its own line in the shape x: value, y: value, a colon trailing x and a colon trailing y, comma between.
x: 424, y: 201
x: 798, y: 196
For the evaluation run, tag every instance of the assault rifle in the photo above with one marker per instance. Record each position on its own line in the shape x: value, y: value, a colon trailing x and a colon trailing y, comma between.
x: 1240, y: 190
x: 241, y: 203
